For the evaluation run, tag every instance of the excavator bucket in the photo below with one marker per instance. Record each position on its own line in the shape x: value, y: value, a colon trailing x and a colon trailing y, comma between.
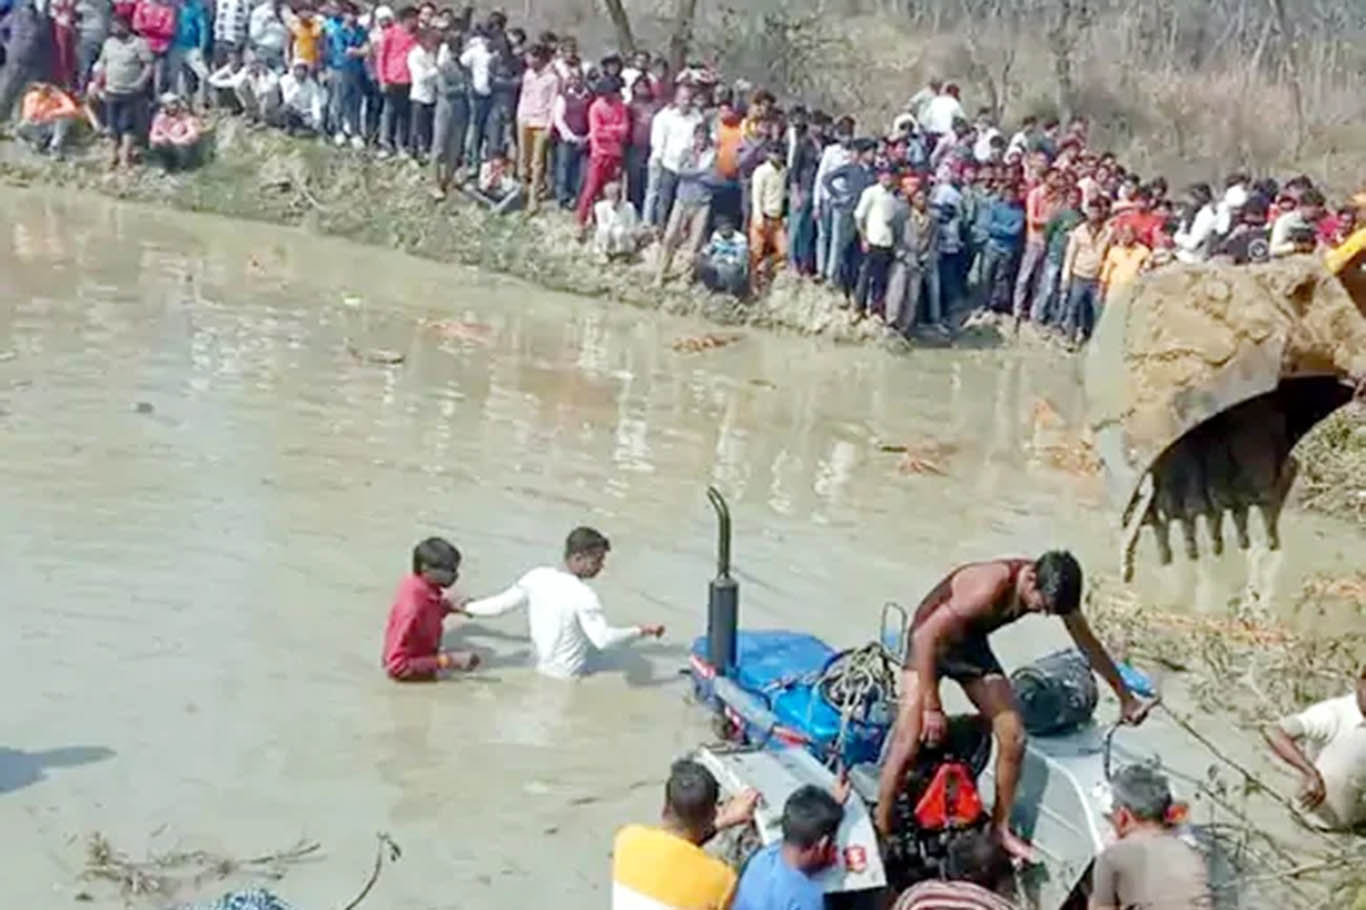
x: 1200, y: 379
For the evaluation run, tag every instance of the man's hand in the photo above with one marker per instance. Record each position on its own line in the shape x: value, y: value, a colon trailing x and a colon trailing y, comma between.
x: 1311, y: 791
x: 739, y: 810
x: 934, y: 726
x: 654, y: 631
x: 457, y: 604
x: 1134, y: 710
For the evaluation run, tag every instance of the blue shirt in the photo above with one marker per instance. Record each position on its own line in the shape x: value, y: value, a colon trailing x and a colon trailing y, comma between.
x: 769, y: 883
x: 191, y: 26
x: 338, y: 39
x: 1005, y: 223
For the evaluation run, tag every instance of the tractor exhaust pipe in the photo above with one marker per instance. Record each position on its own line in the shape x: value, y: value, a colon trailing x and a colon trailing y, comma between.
x: 723, y: 595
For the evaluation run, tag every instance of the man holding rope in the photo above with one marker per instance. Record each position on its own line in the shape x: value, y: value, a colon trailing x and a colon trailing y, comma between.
x: 948, y: 637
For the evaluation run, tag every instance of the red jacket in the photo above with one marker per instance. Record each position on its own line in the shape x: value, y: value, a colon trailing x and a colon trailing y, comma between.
x: 391, y: 60
x: 154, y: 20
x: 609, y: 124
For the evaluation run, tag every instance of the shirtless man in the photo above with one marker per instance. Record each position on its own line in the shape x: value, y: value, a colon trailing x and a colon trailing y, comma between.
x: 948, y: 637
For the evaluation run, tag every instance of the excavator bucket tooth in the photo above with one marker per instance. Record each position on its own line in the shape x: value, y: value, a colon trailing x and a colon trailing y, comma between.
x: 1200, y: 379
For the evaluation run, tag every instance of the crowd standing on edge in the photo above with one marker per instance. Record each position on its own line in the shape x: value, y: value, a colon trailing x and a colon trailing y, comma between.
x: 939, y: 215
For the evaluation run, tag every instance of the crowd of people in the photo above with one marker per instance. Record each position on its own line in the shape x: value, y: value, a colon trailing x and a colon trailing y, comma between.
x: 936, y: 215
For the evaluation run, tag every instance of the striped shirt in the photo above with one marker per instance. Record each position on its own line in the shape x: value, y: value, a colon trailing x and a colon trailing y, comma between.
x: 655, y: 870
x: 230, y: 21
x: 950, y: 896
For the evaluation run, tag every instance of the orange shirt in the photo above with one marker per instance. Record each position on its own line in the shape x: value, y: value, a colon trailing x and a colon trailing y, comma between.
x: 728, y: 138
x: 1039, y: 209
x: 41, y: 106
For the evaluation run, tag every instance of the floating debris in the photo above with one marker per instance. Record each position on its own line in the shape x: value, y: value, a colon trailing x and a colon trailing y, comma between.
x: 916, y: 464
x: 694, y: 344
x: 162, y: 875
x: 463, y: 331
x: 381, y: 356
x: 144, y: 407
x: 8, y: 355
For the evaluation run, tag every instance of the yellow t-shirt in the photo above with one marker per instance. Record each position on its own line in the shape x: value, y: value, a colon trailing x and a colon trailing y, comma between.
x: 1121, y: 267
x: 655, y: 870
x: 307, y: 36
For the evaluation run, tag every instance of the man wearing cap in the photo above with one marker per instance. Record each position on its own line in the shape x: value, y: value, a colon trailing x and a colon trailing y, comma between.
x: 175, y: 134
x: 1150, y: 866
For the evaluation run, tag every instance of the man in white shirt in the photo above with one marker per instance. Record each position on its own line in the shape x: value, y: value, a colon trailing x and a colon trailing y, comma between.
x: 304, y: 100
x: 943, y: 111
x: 564, y: 614
x: 671, y: 138
x: 1334, y: 780
x: 879, y: 208
x: 833, y: 157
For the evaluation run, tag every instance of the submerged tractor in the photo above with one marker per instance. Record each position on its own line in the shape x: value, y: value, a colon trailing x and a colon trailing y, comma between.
x: 790, y: 710
x: 1201, y: 379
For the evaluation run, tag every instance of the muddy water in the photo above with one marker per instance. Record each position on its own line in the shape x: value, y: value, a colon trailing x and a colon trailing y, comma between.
x: 205, y: 503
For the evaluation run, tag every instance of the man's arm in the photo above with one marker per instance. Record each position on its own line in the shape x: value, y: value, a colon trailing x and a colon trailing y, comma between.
x: 603, y: 635
x: 498, y: 604
x: 1281, y: 737
x: 1131, y: 708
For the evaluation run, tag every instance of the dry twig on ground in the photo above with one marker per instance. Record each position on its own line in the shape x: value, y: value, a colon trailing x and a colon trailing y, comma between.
x: 163, y: 874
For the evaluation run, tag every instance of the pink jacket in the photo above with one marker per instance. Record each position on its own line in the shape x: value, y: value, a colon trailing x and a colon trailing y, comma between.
x: 609, y: 123
x: 391, y: 63
x: 154, y: 20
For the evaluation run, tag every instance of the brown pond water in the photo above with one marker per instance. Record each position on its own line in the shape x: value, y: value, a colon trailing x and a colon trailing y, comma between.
x: 206, y: 502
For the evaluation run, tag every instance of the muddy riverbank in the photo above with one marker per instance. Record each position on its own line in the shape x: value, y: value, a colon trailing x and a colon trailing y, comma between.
x: 206, y: 499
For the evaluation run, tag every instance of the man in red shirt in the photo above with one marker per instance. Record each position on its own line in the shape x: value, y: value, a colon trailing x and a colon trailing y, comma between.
x: 1041, y: 204
x: 1146, y: 224
x: 609, y: 124
x: 412, y: 639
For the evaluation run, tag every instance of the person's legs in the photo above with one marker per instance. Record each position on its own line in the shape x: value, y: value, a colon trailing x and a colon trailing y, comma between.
x: 900, y: 747
x: 479, y: 120
x: 881, y: 258
x: 1043, y: 311
x: 599, y: 171
x: 695, y: 221
x: 934, y: 309
x: 1025, y: 281
x: 650, y: 214
x: 637, y: 160
x: 1090, y: 309
x: 758, y: 245
x: 995, y: 699
x: 673, y: 235
x: 88, y: 49
x: 823, y: 231
x: 423, y: 114
x: 668, y: 190
x: 834, y: 254
x: 803, y: 236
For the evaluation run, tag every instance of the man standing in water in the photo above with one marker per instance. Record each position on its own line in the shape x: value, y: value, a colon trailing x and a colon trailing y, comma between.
x: 565, y: 615
x: 948, y: 637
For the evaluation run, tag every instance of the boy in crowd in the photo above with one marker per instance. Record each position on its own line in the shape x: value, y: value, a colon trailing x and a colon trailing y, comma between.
x: 1123, y: 261
x: 496, y: 188
x: 724, y: 265
x: 767, y: 235
x: 412, y: 637
x: 565, y: 617
x: 1000, y: 259
x: 1086, y: 248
